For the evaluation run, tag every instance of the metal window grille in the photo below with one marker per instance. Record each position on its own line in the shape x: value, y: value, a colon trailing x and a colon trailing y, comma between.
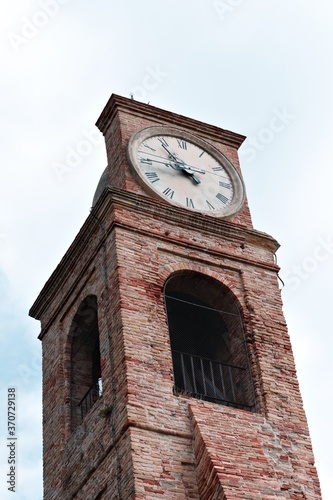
x: 210, y: 380
x: 90, y: 398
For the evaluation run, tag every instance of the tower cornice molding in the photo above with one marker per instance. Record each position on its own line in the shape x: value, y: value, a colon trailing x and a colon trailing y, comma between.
x: 182, y: 217
x: 118, y: 104
x: 105, y: 216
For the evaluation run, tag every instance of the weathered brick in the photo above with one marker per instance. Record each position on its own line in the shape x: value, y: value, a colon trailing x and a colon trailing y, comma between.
x: 140, y: 440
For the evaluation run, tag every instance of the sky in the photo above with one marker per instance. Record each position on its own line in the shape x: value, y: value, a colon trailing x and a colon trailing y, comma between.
x: 262, y: 69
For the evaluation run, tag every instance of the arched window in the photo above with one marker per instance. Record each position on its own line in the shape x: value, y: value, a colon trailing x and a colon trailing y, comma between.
x: 85, y: 360
x: 209, y: 354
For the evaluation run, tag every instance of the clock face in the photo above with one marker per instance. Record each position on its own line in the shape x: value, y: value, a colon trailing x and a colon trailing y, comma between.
x: 185, y: 171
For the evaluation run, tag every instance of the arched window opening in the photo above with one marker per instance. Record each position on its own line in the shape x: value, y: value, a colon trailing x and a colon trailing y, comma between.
x: 86, y: 382
x: 209, y: 353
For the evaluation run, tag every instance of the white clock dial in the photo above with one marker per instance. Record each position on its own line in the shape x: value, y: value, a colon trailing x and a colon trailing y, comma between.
x: 186, y: 171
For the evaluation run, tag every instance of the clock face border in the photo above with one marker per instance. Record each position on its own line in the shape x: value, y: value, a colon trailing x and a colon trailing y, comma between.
x: 160, y: 130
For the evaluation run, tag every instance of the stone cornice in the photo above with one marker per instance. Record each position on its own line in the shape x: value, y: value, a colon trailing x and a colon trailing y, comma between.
x: 117, y: 103
x: 103, y: 219
x: 184, y: 218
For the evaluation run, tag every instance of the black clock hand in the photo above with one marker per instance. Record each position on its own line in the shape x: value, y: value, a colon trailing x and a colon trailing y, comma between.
x: 190, y: 174
x: 183, y: 167
x: 185, y: 171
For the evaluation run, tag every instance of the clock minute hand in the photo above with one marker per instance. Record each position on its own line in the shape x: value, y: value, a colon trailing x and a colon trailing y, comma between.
x: 181, y: 165
x: 172, y: 155
x: 177, y: 165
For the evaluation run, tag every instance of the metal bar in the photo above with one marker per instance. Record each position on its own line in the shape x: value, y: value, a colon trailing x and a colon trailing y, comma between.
x: 212, y: 374
x: 203, y: 377
x: 222, y: 379
x: 183, y: 370
x: 193, y: 376
x: 242, y: 387
x: 232, y: 384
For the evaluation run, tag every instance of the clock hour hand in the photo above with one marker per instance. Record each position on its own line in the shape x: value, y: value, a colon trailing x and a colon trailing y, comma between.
x: 185, y: 170
x: 181, y: 165
x: 194, y: 169
x: 191, y: 174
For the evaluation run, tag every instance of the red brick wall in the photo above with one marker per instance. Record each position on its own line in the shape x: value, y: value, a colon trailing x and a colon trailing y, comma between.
x: 149, y: 443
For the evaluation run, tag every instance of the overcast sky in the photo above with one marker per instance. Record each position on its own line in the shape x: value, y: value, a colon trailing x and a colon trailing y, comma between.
x: 256, y: 67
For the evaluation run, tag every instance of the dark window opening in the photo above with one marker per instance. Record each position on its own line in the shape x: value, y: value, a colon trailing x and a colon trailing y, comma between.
x: 209, y: 354
x: 86, y: 382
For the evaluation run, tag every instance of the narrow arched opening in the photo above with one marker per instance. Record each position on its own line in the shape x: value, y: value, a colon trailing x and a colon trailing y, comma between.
x: 85, y: 369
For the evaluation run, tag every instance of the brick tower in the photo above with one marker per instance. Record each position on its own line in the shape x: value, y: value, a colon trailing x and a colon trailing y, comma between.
x: 167, y: 366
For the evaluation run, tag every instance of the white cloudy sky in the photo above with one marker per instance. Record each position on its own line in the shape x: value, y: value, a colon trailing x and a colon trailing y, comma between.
x: 260, y: 68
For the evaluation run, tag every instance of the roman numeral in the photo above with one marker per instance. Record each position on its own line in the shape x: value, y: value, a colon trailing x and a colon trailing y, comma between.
x: 210, y: 205
x: 189, y: 203
x: 225, y: 185
x: 163, y: 141
x: 152, y: 176
x: 149, y: 147
x: 217, y: 169
x: 169, y: 193
x: 222, y: 198
x: 182, y: 144
x: 146, y: 161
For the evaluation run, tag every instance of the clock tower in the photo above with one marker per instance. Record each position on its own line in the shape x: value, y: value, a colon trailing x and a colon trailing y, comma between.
x: 167, y: 366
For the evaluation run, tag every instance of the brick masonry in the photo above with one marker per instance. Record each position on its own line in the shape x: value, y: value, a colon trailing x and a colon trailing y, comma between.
x: 140, y: 440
